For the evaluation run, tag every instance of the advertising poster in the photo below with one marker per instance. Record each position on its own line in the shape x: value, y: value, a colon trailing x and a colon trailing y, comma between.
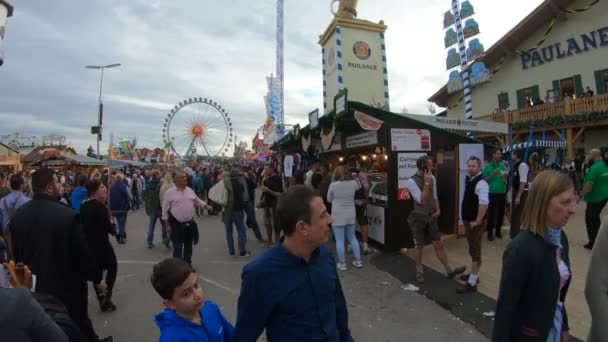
x: 375, y: 217
x: 403, y: 139
x: 363, y: 139
x: 407, y: 168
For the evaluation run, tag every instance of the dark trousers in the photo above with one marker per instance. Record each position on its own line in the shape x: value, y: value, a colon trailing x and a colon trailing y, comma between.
x: 516, y: 214
x: 136, y: 200
x: 182, y: 249
x: 496, y: 212
x: 592, y: 219
x: 79, y: 313
x: 251, y: 220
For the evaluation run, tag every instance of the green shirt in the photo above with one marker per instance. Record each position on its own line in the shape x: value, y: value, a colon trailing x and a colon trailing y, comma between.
x: 497, y: 183
x: 598, y: 174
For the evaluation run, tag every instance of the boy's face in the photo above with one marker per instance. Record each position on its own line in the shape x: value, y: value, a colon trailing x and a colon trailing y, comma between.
x: 187, y: 298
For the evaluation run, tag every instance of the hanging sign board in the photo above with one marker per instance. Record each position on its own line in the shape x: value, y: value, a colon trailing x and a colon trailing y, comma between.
x: 403, y: 139
x: 363, y: 139
x: 406, y: 164
x: 368, y: 122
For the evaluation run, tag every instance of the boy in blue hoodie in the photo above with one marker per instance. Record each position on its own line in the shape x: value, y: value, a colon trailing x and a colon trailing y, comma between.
x: 187, y: 316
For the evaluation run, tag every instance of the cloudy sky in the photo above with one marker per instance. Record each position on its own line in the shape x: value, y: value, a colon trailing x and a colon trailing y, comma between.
x: 222, y: 49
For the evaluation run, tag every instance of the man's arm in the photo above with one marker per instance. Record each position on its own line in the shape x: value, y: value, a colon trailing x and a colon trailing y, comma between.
x: 166, y: 205
x: 414, y: 190
x: 589, y: 180
x: 596, y: 289
x: 342, y: 314
x: 252, y: 309
x: 482, y: 190
x: 523, y: 179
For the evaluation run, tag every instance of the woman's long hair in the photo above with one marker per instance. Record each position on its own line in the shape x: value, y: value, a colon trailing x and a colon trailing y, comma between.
x: 547, y: 185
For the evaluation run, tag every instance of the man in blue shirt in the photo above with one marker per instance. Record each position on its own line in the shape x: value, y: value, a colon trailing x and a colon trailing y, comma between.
x: 292, y: 290
x: 11, y: 202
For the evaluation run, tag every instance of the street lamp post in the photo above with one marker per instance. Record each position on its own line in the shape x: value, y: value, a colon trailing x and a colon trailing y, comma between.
x: 97, y: 129
x: 6, y: 10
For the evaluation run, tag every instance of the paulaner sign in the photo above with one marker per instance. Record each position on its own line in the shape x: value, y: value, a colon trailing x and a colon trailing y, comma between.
x: 583, y: 43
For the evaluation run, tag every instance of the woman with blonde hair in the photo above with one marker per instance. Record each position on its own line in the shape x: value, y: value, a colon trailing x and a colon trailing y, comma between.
x: 166, y: 185
x: 341, y: 195
x: 536, y: 266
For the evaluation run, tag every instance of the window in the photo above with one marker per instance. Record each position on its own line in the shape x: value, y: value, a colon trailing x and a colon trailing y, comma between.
x: 568, y: 87
x: 503, y: 101
x: 527, y: 96
x: 601, y: 81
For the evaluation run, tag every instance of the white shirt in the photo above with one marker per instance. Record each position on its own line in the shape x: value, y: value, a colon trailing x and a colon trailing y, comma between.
x: 288, y: 166
x: 341, y: 195
x: 308, y: 180
x: 523, y: 172
x: 416, y: 192
x: 482, y: 190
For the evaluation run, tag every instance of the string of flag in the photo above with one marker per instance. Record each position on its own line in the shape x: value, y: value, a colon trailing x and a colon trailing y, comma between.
x: 542, y: 41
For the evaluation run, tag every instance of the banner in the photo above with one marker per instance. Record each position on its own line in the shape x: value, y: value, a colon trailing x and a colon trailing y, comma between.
x: 403, y: 139
x: 363, y: 139
x: 368, y: 122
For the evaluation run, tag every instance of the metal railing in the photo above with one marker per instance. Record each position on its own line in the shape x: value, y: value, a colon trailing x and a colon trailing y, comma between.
x: 597, y: 103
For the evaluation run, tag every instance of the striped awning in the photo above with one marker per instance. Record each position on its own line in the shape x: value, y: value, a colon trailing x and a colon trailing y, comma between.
x: 536, y: 144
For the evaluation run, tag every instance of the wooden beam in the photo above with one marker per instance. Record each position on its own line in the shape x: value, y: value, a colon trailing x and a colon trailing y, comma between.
x: 569, y: 144
x: 558, y: 133
x: 502, y: 144
x: 578, y: 134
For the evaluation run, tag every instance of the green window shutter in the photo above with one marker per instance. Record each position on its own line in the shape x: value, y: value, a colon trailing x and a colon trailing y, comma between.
x: 535, y: 93
x: 520, y: 99
x: 557, y: 89
x: 599, y: 82
x: 578, y: 85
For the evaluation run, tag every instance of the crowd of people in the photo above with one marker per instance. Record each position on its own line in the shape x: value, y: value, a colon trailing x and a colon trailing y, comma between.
x: 59, y: 225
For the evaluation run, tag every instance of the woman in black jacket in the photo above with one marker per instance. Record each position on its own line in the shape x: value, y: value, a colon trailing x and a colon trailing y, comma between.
x: 536, y: 267
x: 95, y: 219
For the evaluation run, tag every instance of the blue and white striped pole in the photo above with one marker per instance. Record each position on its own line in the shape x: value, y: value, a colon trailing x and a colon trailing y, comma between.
x: 468, y: 105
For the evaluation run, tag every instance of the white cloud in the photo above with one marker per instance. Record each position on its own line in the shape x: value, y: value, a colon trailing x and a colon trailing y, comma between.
x: 172, y: 50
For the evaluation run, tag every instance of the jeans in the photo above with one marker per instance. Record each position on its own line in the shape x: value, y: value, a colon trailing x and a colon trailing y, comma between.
x: 121, y: 223
x: 152, y: 225
x: 349, y: 230
x: 593, y: 220
x: 237, y: 219
x: 183, y: 250
x: 251, y: 220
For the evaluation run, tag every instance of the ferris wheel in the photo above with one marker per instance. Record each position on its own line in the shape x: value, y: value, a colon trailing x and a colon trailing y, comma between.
x: 198, y: 126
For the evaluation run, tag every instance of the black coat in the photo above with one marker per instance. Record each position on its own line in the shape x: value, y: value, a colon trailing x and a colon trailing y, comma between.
x: 96, y: 225
x: 529, y: 288
x: 46, y: 237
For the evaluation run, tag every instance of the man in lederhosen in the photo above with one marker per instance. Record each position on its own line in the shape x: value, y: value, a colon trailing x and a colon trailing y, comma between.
x: 520, y: 191
x: 473, y: 212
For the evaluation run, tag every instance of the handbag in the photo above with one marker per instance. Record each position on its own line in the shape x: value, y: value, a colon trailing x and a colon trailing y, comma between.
x: 218, y: 194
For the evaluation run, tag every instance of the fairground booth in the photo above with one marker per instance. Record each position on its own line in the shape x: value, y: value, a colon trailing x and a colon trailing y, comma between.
x: 384, y: 146
x: 10, y: 160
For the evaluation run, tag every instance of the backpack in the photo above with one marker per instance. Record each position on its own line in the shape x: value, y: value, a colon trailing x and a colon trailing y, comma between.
x: 218, y: 194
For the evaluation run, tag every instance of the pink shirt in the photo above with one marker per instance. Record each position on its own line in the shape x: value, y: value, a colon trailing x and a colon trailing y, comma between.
x: 180, y: 204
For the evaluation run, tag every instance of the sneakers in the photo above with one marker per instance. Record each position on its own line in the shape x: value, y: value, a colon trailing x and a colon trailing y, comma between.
x: 465, y: 278
x: 467, y: 288
x: 150, y: 245
x: 456, y: 271
x: 166, y: 243
x: 244, y: 254
x: 365, y: 248
x: 341, y: 266
x: 357, y: 263
x: 498, y: 234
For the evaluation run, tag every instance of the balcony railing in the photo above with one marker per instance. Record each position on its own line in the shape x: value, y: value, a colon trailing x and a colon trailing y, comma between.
x: 582, y: 105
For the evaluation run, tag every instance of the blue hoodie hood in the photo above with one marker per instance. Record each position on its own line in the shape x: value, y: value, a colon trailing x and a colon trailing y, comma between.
x: 214, y: 328
x: 78, y: 196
